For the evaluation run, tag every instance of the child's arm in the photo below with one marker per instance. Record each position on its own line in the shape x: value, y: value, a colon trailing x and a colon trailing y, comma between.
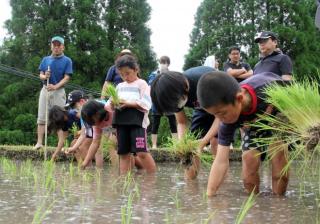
x: 181, y: 123
x: 62, y: 135
x: 218, y: 170
x: 78, y: 143
x: 91, y: 152
x: 213, y: 131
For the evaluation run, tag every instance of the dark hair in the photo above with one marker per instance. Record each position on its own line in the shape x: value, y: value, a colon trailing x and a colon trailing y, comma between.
x: 234, y: 48
x: 93, y: 108
x: 164, y: 60
x: 215, y: 88
x: 56, y: 118
x: 127, y: 61
x: 167, y: 89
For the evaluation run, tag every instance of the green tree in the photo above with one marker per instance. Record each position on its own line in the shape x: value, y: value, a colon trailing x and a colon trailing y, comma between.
x: 220, y: 24
x: 126, y: 23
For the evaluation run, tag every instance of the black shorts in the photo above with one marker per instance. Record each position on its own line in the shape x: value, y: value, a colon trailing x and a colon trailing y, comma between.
x: 248, y: 140
x: 131, y: 139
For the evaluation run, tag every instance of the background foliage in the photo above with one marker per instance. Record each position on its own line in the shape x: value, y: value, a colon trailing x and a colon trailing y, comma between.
x: 96, y: 30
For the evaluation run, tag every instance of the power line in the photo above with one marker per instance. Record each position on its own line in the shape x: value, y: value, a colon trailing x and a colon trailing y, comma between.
x: 29, y: 75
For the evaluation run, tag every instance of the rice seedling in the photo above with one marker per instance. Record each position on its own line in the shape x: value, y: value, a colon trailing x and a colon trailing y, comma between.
x: 207, y: 220
x: 184, y: 148
x: 41, y: 212
x: 297, y: 124
x: 245, y: 207
x: 126, y: 211
x: 167, y: 218
x: 176, y: 200
x: 112, y: 93
x: 108, y: 145
x: 8, y: 166
x: 49, y: 182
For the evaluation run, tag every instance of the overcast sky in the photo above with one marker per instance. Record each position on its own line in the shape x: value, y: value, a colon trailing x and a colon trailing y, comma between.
x: 171, y: 24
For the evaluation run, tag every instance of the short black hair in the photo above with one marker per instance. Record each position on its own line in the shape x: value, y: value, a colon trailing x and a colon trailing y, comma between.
x: 92, y: 108
x: 127, y: 61
x: 167, y: 89
x: 56, y: 118
x: 234, y: 48
x: 216, y: 88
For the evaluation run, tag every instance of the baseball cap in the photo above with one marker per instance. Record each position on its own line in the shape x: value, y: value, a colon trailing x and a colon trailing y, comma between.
x: 74, y: 97
x: 57, y: 38
x: 264, y: 35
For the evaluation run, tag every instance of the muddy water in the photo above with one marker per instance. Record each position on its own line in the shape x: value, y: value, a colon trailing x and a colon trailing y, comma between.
x: 27, y: 193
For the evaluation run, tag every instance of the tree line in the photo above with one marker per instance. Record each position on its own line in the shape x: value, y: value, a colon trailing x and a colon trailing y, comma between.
x: 96, y: 30
x: 221, y: 24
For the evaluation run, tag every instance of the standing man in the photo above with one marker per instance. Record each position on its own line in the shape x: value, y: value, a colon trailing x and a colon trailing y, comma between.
x: 235, y: 67
x: 271, y: 57
x: 58, y: 69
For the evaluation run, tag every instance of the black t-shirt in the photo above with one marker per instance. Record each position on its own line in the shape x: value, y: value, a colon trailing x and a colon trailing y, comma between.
x: 240, y: 65
x: 276, y: 62
x: 255, y: 85
x: 193, y: 75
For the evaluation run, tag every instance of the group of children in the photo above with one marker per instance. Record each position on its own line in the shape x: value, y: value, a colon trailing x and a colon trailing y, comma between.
x: 97, y: 117
x: 221, y: 106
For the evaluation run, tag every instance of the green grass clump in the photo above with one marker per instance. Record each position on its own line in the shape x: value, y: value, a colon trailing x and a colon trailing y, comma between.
x: 184, y: 148
x: 112, y: 93
x: 297, y: 124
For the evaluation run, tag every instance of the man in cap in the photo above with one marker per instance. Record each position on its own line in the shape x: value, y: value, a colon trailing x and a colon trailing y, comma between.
x: 271, y: 58
x: 58, y: 69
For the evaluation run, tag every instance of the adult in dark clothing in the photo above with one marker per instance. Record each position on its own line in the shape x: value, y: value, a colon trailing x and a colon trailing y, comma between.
x: 235, y: 67
x: 235, y: 104
x: 172, y: 91
x: 271, y: 58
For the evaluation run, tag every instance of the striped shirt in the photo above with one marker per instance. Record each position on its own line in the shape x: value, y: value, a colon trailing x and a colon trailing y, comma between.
x: 139, y: 92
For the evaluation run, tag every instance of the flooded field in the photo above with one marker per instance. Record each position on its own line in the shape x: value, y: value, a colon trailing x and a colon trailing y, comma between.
x: 61, y: 193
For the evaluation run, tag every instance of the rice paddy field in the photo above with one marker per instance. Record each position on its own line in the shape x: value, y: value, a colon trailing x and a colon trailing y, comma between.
x: 45, y: 192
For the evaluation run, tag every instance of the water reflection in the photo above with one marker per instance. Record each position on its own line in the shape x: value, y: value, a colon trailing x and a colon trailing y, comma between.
x: 165, y: 197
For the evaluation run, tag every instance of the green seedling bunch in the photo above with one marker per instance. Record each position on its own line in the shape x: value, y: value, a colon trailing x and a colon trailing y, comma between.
x: 112, y: 93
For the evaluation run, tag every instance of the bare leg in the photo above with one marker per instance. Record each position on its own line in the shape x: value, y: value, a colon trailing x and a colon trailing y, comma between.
x: 250, y: 170
x: 147, y: 162
x: 154, y: 138
x: 40, y: 134
x: 99, y: 158
x: 279, y: 160
x: 126, y: 162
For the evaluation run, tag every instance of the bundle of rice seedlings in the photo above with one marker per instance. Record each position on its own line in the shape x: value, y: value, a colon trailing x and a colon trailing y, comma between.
x: 184, y: 148
x: 298, y: 123
x: 112, y: 93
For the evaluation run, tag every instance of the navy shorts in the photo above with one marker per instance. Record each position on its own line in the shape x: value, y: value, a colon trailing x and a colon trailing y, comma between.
x: 201, y: 122
x: 131, y: 139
